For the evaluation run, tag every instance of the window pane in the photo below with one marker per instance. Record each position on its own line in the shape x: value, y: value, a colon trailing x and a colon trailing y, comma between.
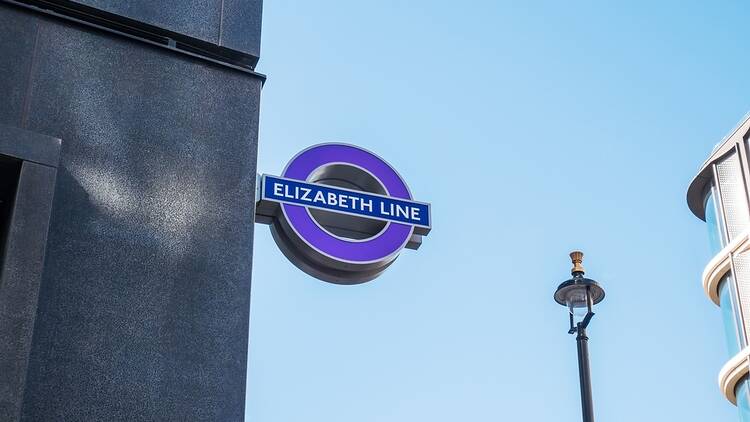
x: 715, y: 225
x: 743, y: 404
x: 728, y: 302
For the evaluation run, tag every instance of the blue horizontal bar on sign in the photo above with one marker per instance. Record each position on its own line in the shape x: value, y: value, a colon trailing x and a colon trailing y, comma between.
x: 345, y: 201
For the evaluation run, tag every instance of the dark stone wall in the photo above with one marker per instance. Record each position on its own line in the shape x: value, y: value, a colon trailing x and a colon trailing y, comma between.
x: 27, y: 192
x: 234, y: 24
x: 16, y: 43
x: 144, y: 301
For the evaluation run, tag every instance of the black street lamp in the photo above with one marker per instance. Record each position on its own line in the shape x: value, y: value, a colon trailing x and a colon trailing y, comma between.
x: 579, y: 295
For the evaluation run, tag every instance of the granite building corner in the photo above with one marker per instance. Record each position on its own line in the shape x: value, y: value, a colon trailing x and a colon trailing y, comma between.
x: 133, y: 128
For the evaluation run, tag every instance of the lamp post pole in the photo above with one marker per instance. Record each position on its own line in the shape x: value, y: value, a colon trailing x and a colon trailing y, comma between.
x: 584, y: 373
x: 579, y: 295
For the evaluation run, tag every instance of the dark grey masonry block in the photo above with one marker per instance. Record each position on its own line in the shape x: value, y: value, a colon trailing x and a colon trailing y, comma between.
x: 29, y: 146
x: 143, y: 305
x: 234, y: 24
x: 17, y: 37
x: 28, y: 164
x: 20, y: 280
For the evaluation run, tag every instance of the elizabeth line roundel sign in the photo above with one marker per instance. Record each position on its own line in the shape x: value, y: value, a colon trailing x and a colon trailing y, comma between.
x: 341, y: 213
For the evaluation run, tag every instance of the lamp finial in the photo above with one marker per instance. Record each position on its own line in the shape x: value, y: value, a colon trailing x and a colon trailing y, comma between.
x: 577, y: 258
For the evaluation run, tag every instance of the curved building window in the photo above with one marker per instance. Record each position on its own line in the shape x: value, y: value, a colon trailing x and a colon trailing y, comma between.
x: 743, y: 404
x: 733, y: 199
x: 716, y: 237
x: 730, y: 315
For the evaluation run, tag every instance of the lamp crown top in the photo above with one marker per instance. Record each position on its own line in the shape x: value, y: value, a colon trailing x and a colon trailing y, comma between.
x: 577, y: 258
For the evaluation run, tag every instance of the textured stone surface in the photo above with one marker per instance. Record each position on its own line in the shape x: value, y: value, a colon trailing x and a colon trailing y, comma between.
x: 29, y: 146
x: 241, y: 25
x: 230, y: 23
x: 18, y: 34
x: 144, y: 305
x: 20, y: 279
x: 196, y: 18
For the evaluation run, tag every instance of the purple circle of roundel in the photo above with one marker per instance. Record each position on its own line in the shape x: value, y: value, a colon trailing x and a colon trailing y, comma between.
x: 376, y: 248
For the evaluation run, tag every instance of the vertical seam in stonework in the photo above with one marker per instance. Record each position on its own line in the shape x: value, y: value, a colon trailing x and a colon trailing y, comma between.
x: 221, y: 20
x: 29, y: 81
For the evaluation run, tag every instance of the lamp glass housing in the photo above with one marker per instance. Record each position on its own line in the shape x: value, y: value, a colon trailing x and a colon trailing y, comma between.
x: 579, y: 295
x: 577, y: 302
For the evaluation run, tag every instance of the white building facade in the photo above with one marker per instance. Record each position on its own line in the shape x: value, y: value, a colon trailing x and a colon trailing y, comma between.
x: 720, y: 195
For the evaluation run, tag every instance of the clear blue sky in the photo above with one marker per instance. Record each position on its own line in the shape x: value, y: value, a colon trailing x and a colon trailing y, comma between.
x: 533, y: 129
